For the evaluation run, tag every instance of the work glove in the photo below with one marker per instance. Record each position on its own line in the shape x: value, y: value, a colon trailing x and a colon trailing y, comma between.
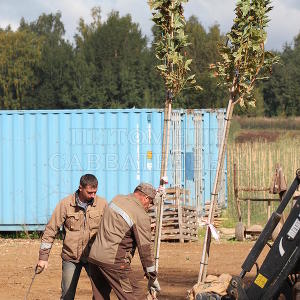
x: 153, y: 285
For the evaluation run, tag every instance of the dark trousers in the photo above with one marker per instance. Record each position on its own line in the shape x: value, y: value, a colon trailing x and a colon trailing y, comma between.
x: 121, y: 280
x: 70, y: 276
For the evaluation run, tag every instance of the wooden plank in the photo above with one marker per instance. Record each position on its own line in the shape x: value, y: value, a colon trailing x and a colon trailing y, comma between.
x: 194, y: 215
x: 176, y: 230
x: 166, y: 224
x: 260, y: 199
x: 249, y: 212
x: 253, y: 189
x: 174, y: 206
x: 174, y: 238
x: 194, y: 226
x: 167, y: 213
x: 175, y: 219
x: 184, y: 219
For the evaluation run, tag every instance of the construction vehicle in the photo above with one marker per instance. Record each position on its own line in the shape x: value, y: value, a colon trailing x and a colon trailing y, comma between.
x: 277, y: 276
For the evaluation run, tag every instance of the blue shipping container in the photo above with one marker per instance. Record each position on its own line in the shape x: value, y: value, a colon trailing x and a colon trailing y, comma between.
x: 44, y: 153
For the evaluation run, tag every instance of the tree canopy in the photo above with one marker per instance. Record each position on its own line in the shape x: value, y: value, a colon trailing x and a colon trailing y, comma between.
x: 111, y: 64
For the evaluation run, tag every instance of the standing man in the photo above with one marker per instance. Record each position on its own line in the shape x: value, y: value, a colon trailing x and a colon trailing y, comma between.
x: 80, y: 215
x: 125, y: 225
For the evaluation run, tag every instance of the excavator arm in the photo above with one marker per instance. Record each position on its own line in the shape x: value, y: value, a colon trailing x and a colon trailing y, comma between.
x: 276, y: 274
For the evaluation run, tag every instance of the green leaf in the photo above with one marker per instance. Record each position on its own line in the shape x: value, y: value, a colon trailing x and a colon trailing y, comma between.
x: 252, y: 103
x: 191, y: 77
x: 162, y: 67
x: 198, y: 88
x: 171, y: 45
x: 187, y: 63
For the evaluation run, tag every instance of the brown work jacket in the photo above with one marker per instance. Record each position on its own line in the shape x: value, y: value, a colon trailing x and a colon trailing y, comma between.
x: 79, y: 227
x: 125, y: 225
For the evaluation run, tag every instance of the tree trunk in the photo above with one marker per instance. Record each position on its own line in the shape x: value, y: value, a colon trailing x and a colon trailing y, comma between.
x: 215, y: 192
x: 163, y: 172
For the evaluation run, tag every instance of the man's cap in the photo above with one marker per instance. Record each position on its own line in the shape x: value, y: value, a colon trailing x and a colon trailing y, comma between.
x: 147, y: 189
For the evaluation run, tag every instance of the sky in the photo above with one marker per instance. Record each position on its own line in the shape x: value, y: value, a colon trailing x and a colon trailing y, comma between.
x: 283, y: 27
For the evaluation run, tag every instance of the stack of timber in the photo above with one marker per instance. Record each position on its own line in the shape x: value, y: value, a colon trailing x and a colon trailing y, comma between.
x: 180, y: 222
x: 217, y: 215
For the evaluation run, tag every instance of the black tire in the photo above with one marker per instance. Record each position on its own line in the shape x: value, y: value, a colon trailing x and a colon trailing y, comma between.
x: 239, y: 231
x: 207, y: 296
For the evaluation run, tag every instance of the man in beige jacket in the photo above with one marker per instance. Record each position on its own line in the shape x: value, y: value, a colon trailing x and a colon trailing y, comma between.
x: 79, y: 215
x: 125, y: 225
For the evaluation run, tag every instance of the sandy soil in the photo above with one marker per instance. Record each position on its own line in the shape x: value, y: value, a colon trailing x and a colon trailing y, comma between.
x: 178, y: 269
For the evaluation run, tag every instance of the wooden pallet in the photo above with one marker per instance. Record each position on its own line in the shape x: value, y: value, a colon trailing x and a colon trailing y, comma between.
x: 217, y: 215
x: 180, y: 221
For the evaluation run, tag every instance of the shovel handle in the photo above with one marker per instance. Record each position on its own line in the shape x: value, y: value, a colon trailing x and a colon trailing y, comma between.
x: 38, y: 269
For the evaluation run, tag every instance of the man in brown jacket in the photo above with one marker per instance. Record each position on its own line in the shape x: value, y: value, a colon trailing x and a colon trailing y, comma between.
x: 80, y: 215
x: 125, y: 225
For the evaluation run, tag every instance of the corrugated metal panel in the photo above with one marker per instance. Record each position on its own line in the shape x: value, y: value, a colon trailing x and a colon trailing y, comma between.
x: 212, y: 127
x: 206, y: 173
x: 44, y: 153
x: 198, y: 165
x: 223, y: 187
x: 189, y: 159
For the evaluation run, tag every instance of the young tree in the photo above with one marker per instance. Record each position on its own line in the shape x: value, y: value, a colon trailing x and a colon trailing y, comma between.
x: 174, y: 68
x: 244, y: 61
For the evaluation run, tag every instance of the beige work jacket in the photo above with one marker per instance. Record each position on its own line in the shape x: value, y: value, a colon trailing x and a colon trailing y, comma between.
x: 79, y: 227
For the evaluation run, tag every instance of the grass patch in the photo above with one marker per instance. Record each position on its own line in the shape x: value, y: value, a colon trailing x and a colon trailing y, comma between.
x: 21, y: 234
x: 247, y: 136
x: 228, y: 219
x: 292, y: 123
x: 201, y: 232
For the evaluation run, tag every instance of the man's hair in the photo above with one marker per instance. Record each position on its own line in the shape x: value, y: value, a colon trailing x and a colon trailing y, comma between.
x: 88, y: 179
x: 147, y: 189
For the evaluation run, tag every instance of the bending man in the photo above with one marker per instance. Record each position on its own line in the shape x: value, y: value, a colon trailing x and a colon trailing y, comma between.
x: 125, y: 225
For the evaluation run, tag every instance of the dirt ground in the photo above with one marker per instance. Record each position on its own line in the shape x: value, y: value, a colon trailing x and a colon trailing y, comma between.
x: 178, y: 269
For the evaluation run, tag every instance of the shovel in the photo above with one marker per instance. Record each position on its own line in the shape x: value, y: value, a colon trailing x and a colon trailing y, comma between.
x: 37, y: 270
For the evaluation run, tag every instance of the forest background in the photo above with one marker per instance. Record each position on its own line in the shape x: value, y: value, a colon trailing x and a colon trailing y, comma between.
x: 111, y: 64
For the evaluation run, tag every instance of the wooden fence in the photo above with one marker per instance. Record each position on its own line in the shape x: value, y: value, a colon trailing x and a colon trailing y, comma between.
x: 256, y: 163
